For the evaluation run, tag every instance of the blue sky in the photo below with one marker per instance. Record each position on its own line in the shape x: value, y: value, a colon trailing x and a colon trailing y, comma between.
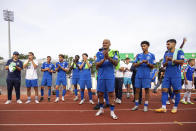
x: 50, y: 27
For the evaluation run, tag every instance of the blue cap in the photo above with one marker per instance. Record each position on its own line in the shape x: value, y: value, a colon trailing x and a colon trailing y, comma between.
x: 15, y: 53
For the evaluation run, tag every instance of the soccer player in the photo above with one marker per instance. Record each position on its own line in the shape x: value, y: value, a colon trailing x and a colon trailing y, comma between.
x: 144, y: 62
x: 75, y: 75
x: 61, y: 68
x: 48, y: 68
x: 85, y: 78
x: 14, y: 67
x: 154, y: 73
x: 173, y: 59
x: 119, y: 82
x: 31, y: 76
x: 189, y: 81
x: 106, y: 61
x: 127, y: 75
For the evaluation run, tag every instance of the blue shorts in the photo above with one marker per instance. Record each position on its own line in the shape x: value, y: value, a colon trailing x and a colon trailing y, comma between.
x: 60, y: 81
x: 142, y: 83
x: 85, y: 83
x: 75, y: 81
x: 127, y: 81
x: 105, y: 85
x: 46, y: 82
x: 174, y: 82
x: 31, y: 83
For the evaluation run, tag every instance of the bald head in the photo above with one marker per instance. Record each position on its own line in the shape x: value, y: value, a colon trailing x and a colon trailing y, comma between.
x: 106, y: 43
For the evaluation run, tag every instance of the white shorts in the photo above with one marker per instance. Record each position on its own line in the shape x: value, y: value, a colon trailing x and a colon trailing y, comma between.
x: 189, y: 85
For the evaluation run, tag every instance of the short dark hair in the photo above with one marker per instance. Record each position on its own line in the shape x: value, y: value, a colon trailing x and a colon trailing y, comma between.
x: 49, y: 57
x: 145, y: 42
x: 190, y: 60
x: 171, y: 41
x: 61, y: 55
x: 77, y: 56
x: 31, y: 53
x: 85, y: 54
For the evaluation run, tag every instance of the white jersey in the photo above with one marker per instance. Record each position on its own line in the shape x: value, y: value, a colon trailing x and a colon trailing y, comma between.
x: 118, y: 73
x: 31, y: 72
x: 128, y: 73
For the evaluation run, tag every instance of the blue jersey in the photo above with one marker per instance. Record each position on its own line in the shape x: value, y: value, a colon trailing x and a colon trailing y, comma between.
x: 76, y: 71
x: 85, y: 73
x: 46, y: 65
x: 61, y: 73
x: 143, y: 71
x: 106, y: 70
x: 189, y: 72
x: 173, y: 70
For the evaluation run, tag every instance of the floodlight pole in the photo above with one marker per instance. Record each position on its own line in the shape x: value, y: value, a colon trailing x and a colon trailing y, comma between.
x: 9, y: 40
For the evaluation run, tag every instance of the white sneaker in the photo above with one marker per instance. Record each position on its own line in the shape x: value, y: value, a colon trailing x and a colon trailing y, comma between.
x: 56, y: 100
x: 28, y: 101
x: 76, y: 98
x: 91, y: 102
x: 100, y: 111
x: 173, y: 101
x: 63, y: 99
x: 36, y: 101
x: 168, y: 103
x: 112, y: 114
x: 82, y: 101
x: 19, y: 101
x: 116, y: 100
x: 8, y: 102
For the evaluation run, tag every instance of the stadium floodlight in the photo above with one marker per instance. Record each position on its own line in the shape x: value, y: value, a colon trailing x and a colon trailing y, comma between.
x: 9, y: 17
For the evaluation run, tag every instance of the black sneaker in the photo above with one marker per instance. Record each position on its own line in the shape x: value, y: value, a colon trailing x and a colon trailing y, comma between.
x: 41, y: 99
x: 96, y: 107
x: 48, y: 99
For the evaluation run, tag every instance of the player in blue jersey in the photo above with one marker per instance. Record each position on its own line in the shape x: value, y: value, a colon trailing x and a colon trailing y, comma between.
x: 173, y: 59
x: 106, y: 61
x: 85, y: 78
x: 75, y: 75
x: 144, y: 62
x: 61, y: 68
x: 189, y: 81
x: 47, y: 68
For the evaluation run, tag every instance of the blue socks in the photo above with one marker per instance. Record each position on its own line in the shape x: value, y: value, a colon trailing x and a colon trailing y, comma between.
x: 76, y: 92
x: 64, y: 92
x: 164, y: 98
x: 49, y: 93
x: 90, y: 95
x: 82, y: 95
x: 111, y: 107
x: 136, y: 102
x: 106, y: 98
x: 177, y: 99
x: 57, y: 93
x: 42, y: 92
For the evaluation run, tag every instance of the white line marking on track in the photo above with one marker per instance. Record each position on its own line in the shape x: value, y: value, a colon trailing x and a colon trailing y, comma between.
x: 100, y: 124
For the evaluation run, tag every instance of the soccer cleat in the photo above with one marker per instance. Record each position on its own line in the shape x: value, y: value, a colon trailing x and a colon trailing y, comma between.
x: 168, y: 103
x: 48, y: 99
x: 183, y: 102
x: 82, y: 101
x: 56, y: 100
x: 91, y: 102
x: 100, y: 112
x: 63, y: 99
x: 189, y: 102
x: 76, y: 98
x: 41, y: 99
x: 112, y: 114
x: 19, y: 101
x: 36, y: 101
x: 134, y: 108
x: 28, y: 101
x: 145, y: 108
x: 8, y: 102
x: 174, y: 110
x: 160, y: 110
x: 96, y: 107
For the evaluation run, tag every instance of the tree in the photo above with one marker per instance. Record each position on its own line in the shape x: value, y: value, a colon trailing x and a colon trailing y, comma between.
x: 1, y: 58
